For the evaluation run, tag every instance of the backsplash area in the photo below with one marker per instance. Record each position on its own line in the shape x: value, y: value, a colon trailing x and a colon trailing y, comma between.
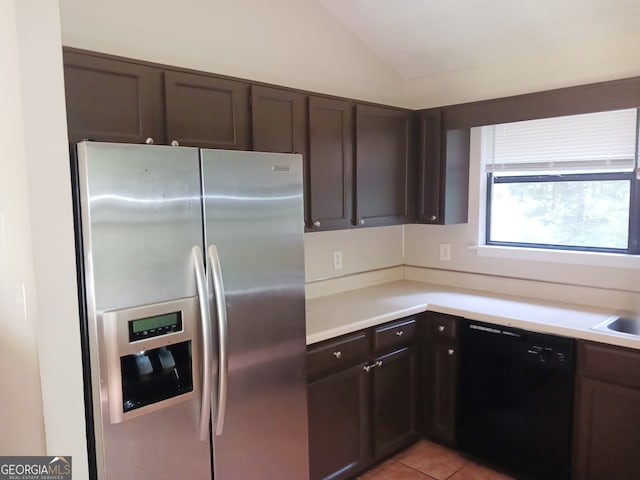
x: 373, y: 256
x: 362, y: 250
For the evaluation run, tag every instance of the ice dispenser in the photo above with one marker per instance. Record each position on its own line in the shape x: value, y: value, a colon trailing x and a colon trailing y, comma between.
x: 150, y: 357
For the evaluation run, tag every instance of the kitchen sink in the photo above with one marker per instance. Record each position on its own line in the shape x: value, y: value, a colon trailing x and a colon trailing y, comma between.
x: 626, y: 325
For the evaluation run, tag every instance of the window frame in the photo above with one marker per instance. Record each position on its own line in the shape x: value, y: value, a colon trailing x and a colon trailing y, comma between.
x: 633, y: 240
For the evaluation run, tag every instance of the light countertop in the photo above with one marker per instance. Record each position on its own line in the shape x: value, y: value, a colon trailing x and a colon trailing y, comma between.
x: 334, y: 315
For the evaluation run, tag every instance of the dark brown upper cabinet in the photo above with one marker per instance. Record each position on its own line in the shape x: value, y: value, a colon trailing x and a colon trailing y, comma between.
x: 383, y: 166
x: 112, y: 100
x: 206, y: 111
x: 278, y: 120
x: 429, y: 141
x: 329, y: 165
x: 443, y: 173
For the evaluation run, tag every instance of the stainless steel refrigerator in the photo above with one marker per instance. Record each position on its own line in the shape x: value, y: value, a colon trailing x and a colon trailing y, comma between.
x: 191, y: 267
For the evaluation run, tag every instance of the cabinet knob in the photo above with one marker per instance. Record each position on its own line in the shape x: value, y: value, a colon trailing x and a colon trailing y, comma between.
x: 361, y: 221
x: 337, y: 354
x: 175, y: 143
x: 433, y: 218
x: 316, y: 223
x: 451, y: 351
x: 441, y: 328
x: 149, y: 141
x: 399, y: 333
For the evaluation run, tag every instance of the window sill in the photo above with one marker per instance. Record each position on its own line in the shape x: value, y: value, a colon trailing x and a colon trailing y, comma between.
x: 610, y: 260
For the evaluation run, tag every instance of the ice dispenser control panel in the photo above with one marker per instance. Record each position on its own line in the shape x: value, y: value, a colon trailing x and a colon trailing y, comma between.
x: 151, y: 351
x: 148, y: 327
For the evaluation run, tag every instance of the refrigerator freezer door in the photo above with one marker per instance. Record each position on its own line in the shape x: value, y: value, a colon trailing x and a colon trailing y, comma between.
x: 144, y: 217
x: 141, y: 216
x: 254, y: 217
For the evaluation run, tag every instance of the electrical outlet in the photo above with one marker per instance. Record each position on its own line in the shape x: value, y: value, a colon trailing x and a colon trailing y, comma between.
x: 445, y: 252
x: 337, y: 260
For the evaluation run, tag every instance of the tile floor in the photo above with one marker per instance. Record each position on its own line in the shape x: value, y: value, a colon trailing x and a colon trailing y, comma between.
x: 429, y: 461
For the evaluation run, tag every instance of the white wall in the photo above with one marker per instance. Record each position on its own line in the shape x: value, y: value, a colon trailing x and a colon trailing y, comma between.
x: 38, y: 234
x: 293, y: 43
x: 586, y: 63
x: 21, y: 421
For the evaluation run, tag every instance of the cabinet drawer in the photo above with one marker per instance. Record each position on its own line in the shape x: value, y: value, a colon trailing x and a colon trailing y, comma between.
x: 394, y: 334
x: 612, y: 364
x: 337, y: 354
x: 443, y: 327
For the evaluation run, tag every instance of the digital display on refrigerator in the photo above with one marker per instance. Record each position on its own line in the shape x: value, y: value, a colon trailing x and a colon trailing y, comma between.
x: 153, y: 326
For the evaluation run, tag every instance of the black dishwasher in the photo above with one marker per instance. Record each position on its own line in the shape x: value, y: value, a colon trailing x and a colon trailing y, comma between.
x: 515, y: 399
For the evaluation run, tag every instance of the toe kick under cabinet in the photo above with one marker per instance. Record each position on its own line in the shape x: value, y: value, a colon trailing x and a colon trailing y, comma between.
x: 363, y: 396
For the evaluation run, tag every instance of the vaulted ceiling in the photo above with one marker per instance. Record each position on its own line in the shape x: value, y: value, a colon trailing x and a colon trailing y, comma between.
x: 424, y: 37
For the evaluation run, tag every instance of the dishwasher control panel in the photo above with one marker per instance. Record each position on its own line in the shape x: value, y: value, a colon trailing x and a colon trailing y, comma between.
x: 546, y: 354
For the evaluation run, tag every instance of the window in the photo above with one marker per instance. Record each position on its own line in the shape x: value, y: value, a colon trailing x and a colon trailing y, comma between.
x: 565, y: 183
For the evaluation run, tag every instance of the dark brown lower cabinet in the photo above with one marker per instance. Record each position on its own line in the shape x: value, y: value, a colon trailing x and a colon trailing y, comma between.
x: 441, y: 414
x: 362, y: 398
x: 339, y: 427
x: 440, y: 367
x: 607, y: 430
x: 394, y: 401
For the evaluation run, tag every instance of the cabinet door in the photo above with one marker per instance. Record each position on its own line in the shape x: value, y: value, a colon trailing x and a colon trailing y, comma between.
x: 394, y: 402
x: 607, y: 431
x: 205, y: 111
x: 330, y: 164
x: 112, y: 101
x: 440, y: 400
x: 430, y: 166
x: 339, y: 430
x: 382, y: 166
x: 278, y: 120
x: 443, y: 156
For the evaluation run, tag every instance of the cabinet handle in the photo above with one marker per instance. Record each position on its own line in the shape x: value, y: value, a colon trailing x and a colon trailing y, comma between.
x: 451, y: 351
x: 441, y: 328
x: 149, y: 141
x: 175, y: 143
x: 367, y: 368
x: 337, y: 354
x: 316, y: 223
x: 361, y: 221
x: 433, y: 218
x: 399, y: 333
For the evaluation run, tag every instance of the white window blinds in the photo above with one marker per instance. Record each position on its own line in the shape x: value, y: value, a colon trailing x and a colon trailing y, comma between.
x: 595, y: 142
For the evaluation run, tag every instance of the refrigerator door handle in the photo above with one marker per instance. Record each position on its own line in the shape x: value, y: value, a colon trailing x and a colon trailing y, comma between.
x: 223, y: 339
x: 207, y: 347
